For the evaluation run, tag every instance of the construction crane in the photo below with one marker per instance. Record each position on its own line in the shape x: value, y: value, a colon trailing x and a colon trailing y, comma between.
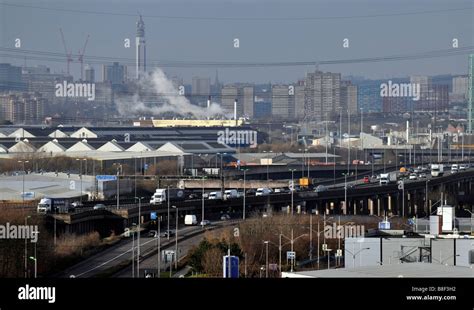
x: 81, y: 57
x: 68, y: 54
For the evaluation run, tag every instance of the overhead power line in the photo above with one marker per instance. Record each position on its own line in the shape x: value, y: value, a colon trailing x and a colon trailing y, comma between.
x: 59, y: 57
x: 240, y: 18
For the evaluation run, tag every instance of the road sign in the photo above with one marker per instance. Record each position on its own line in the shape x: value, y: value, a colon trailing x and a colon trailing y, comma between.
x: 234, y: 266
x: 291, y: 184
x: 325, y: 246
x: 106, y: 177
x: 153, y: 216
x: 290, y: 255
x: 339, y: 253
x: 27, y: 195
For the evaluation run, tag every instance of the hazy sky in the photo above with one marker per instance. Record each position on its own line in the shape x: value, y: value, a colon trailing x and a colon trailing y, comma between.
x: 263, y: 28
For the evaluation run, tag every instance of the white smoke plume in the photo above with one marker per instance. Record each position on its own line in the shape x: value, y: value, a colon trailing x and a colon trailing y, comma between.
x: 158, y: 84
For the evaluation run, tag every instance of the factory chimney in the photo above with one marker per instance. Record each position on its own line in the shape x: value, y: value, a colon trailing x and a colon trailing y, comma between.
x: 235, y: 109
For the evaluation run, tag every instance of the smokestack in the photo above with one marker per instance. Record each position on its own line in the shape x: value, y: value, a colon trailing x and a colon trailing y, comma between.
x: 208, y: 102
x: 408, y: 130
x: 235, y: 109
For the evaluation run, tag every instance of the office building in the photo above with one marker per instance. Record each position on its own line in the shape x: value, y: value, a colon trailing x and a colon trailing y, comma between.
x: 201, y: 86
x: 89, y: 74
x: 244, y: 94
x: 322, y: 95
x: 349, y: 97
x: 24, y: 108
x: 114, y: 73
x: 10, y: 78
x: 283, y: 104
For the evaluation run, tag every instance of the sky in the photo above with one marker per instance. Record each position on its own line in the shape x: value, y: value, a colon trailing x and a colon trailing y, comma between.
x: 268, y: 31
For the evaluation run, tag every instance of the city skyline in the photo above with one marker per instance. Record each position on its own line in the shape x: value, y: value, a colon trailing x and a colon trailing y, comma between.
x: 270, y: 39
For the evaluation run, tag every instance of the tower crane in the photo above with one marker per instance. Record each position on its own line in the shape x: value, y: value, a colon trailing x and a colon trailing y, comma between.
x: 81, y: 56
x: 68, y: 53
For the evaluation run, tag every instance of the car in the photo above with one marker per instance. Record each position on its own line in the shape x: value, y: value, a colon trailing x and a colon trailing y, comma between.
x: 263, y: 191
x: 321, y: 188
x: 462, y: 167
x: 205, y: 223
x: 152, y: 234
x: 99, y: 206
x: 413, y: 176
x: 225, y: 217
x: 366, y: 179
x: 76, y: 204
x: 422, y: 175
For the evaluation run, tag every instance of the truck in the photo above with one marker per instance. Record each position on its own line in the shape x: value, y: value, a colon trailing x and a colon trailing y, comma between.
x: 215, y: 195
x: 454, y: 168
x: 54, y: 205
x: 190, y: 219
x: 305, y: 182
x: 161, y: 195
x: 231, y: 193
x: 387, y: 178
x: 437, y: 170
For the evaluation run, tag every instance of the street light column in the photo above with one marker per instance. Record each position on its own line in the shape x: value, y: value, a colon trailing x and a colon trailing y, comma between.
x: 176, y: 241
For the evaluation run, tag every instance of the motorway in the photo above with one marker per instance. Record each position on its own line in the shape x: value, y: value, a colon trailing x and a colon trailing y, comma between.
x: 120, y: 253
x: 152, y: 261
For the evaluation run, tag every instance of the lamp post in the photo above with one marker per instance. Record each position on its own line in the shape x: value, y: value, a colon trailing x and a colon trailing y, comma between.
x: 318, y: 232
x: 329, y: 263
x: 138, y: 233
x: 168, y: 199
x: 426, y: 196
x: 80, y: 172
x: 119, y: 168
x: 159, y: 247
x: 292, y: 241
x: 355, y: 254
x: 268, y: 163
x: 202, y: 221
x: 243, y: 215
x: 292, y: 189
x: 26, y: 248
x: 133, y: 250
x: 345, y: 191
x: 35, y: 258
x: 302, y: 163
x: 266, y: 260
x: 24, y: 172
x: 176, y: 240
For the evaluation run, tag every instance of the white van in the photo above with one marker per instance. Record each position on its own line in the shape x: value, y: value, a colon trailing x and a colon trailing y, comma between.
x: 190, y: 219
x: 231, y: 193
x: 263, y: 191
x: 215, y: 195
